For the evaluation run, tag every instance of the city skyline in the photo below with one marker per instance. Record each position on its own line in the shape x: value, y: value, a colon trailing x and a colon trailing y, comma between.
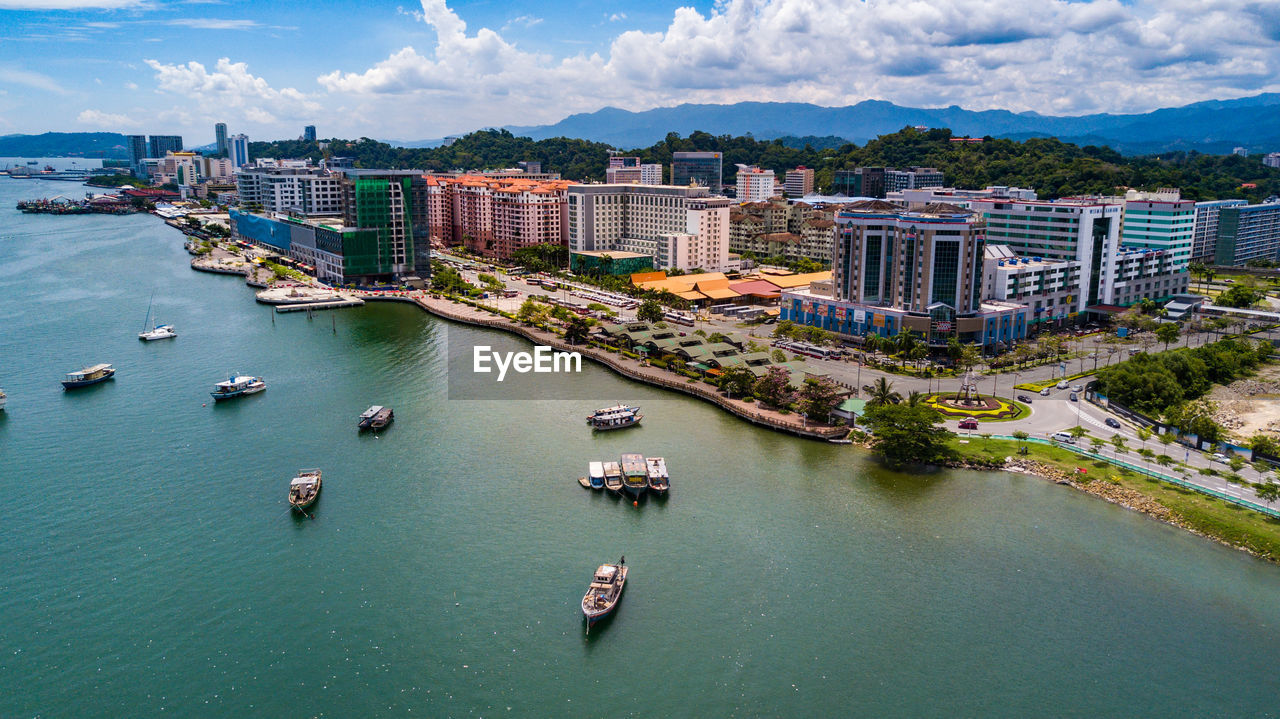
x: 408, y: 72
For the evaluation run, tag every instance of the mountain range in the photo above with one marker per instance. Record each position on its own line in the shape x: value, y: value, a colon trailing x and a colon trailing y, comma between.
x: 1214, y: 126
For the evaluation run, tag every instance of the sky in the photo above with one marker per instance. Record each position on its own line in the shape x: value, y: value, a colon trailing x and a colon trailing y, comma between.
x: 412, y: 71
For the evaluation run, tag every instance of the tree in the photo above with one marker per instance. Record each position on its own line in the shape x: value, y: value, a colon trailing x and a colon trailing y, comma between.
x: 737, y: 381
x: 1144, y: 434
x: 818, y: 397
x: 1168, y: 333
x: 882, y: 394
x: 1022, y: 437
x: 1164, y: 460
x: 774, y: 388
x: 1264, y: 444
x: 1078, y: 431
x: 650, y: 311
x: 778, y: 356
x: 532, y: 313
x: 1240, y: 296
x: 576, y: 330
x: 1118, y: 442
x: 1236, y: 463
x: 907, y: 435
x: 1268, y: 492
x: 1097, y: 443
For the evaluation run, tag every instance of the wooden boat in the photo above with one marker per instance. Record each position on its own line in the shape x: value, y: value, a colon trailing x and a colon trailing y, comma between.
x: 659, y: 480
x: 584, y: 482
x: 611, y: 410
x: 635, y: 478
x: 376, y: 417
x: 237, y: 386
x: 304, y: 489
x: 89, y: 375
x: 605, y: 592
x: 595, y: 474
x: 613, y: 476
x: 629, y: 417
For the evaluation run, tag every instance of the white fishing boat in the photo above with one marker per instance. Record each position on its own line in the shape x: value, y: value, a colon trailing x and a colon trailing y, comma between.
x: 659, y: 480
x: 595, y: 474
x: 238, y: 386
x: 628, y: 417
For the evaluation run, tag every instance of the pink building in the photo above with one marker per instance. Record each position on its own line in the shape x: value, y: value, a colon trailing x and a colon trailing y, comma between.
x: 496, y: 216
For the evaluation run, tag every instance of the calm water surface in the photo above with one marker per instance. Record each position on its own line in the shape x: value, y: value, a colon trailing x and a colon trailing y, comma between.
x: 149, y: 565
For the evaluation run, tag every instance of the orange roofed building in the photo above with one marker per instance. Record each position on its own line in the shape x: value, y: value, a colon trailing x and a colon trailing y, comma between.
x: 495, y: 216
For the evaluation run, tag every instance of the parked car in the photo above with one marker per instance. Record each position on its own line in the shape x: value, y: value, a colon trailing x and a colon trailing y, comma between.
x: 1024, y: 398
x: 969, y: 423
x: 1112, y: 423
x: 1044, y: 392
x: 1078, y: 388
x: 1063, y: 437
x: 1073, y: 397
x: 1220, y: 457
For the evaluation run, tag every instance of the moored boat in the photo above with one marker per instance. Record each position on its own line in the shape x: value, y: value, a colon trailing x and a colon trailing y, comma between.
x: 611, y: 410
x: 158, y: 331
x: 595, y: 474
x: 612, y: 476
x: 629, y: 417
x: 89, y: 375
x: 584, y: 482
x: 376, y: 417
x: 237, y: 386
x: 659, y: 480
x: 635, y: 478
x: 304, y: 489
x: 605, y: 592
x: 3, y: 397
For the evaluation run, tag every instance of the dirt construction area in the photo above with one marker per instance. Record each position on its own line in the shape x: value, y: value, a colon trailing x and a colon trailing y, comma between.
x: 1251, y: 405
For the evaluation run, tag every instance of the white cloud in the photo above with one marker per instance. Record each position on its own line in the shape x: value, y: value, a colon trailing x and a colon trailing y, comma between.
x: 28, y: 78
x: 1051, y: 56
x: 229, y: 93
x: 522, y: 21
x: 105, y: 120
x: 617, y: 16
x: 209, y: 23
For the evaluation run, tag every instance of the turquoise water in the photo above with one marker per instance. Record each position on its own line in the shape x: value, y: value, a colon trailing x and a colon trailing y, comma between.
x: 150, y: 565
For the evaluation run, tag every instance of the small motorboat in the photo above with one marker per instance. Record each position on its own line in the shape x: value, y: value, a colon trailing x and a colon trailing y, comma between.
x: 612, y: 410
x: 628, y: 417
x: 584, y: 482
x: 595, y: 474
x: 237, y: 386
x: 304, y: 489
x: 613, y: 476
x: 659, y: 480
x: 605, y: 591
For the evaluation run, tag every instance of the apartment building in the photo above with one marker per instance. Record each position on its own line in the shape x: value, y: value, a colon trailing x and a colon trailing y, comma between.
x: 799, y: 182
x: 1247, y: 232
x: 496, y: 216
x: 290, y: 189
x: 1160, y: 221
x: 755, y: 184
x: 1204, y: 240
x: 781, y: 228
x: 681, y: 227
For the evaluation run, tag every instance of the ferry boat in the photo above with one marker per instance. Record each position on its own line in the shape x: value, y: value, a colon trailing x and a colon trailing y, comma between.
x: 659, y: 480
x: 89, y: 375
x: 237, y: 386
x: 595, y: 474
x: 635, y: 477
x: 612, y: 410
x: 605, y: 592
x: 376, y: 417
x: 612, y: 476
x: 628, y: 417
x: 304, y: 489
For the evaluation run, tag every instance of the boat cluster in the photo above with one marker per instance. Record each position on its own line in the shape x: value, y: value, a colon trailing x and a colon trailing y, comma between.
x: 616, y: 417
x: 633, y: 474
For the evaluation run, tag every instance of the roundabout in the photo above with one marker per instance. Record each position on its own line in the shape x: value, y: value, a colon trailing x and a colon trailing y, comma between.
x: 955, y: 405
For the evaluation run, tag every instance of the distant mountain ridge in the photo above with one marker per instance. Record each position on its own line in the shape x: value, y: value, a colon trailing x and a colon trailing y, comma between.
x: 1209, y: 126
x: 109, y: 145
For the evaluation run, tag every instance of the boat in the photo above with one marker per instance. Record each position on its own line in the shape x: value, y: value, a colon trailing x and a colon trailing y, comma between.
x: 595, y: 474
x: 634, y: 475
x: 237, y: 386
x: 376, y: 417
x: 605, y: 592
x: 584, y: 482
x: 89, y: 375
x: 659, y: 480
x: 3, y: 397
x: 612, y: 410
x: 304, y: 489
x: 629, y: 417
x: 612, y: 476
x: 157, y: 332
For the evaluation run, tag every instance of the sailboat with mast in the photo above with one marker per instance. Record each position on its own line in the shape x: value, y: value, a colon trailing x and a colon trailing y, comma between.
x: 157, y: 331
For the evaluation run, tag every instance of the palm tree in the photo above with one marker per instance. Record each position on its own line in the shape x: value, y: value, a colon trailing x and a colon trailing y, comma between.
x: 1097, y: 443
x: 1118, y: 441
x: 915, y: 398
x: 882, y: 394
x: 1144, y: 434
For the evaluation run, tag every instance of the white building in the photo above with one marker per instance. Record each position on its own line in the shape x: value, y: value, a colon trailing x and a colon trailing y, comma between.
x: 296, y: 190
x: 1241, y: 151
x: 754, y: 184
x: 651, y: 174
x: 1271, y: 159
x: 1204, y: 238
x: 1048, y: 287
x: 1160, y: 221
x: 238, y: 150
x: 917, y: 198
x: 681, y: 227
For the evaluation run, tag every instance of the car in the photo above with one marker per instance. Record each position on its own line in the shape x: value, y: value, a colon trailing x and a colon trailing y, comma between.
x: 1220, y: 457
x: 1113, y: 423
x: 1064, y: 384
x: 1024, y: 398
x: 1044, y: 392
x: 969, y: 423
x: 1073, y: 397
x: 1063, y: 437
x: 1078, y: 388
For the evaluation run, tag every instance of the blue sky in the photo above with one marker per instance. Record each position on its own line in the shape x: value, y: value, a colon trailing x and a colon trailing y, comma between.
x: 415, y: 70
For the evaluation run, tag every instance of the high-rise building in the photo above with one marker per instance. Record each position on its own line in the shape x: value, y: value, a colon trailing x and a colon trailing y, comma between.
x: 220, y: 133
x: 799, y: 182
x: 912, y: 178
x: 1271, y: 159
x: 651, y: 174
x: 1247, y: 232
x: 680, y: 227
x: 703, y: 169
x: 1205, y: 236
x: 754, y: 184
x: 238, y: 150
x: 1241, y: 151
x: 530, y: 167
x: 859, y: 182
x: 495, y: 216
x: 394, y: 203
x: 137, y: 152
x: 293, y: 190
x: 309, y: 133
x: 1160, y: 221
x: 161, y: 145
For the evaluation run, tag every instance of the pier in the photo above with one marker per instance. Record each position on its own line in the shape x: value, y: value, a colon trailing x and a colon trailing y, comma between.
x: 309, y: 306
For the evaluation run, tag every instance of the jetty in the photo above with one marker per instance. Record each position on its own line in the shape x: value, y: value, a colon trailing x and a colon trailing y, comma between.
x: 310, y: 306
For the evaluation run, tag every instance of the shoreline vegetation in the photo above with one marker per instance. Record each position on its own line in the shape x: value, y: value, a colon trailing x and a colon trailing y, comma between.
x: 1231, y: 525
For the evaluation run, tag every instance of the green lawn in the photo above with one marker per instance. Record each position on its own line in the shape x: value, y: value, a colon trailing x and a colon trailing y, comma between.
x: 1209, y: 515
